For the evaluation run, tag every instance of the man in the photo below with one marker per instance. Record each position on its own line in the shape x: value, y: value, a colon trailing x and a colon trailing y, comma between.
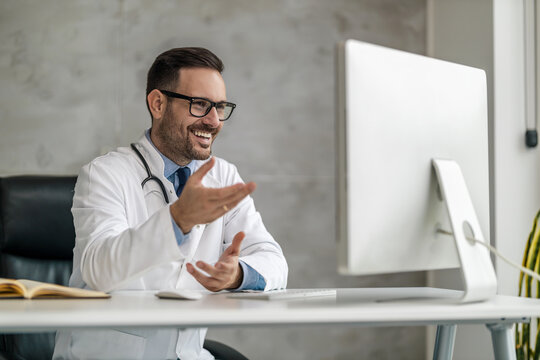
x: 136, y: 233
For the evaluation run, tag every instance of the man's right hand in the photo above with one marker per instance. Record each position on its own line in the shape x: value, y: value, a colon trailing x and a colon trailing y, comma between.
x: 201, y: 205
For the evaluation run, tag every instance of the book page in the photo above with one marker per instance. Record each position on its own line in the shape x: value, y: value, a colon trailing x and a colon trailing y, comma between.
x: 37, y: 289
x: 10, y: 288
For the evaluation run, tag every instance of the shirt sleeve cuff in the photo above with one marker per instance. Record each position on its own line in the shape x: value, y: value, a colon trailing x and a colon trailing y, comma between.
x: 180, y: 236
x: 252, y: 279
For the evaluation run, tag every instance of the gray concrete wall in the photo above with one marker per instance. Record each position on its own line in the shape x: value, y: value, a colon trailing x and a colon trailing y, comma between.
x: 73, y: 80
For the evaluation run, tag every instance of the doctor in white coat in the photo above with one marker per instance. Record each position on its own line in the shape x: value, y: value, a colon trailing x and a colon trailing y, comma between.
x: 139, y: 235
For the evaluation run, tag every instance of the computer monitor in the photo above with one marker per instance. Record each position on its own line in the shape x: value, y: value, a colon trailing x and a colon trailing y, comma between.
x: 396, y: 113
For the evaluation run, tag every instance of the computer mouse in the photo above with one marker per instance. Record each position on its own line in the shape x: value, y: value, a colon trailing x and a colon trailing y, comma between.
x: 182, y: 294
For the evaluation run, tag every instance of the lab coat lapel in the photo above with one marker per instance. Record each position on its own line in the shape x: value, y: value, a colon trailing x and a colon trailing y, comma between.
x: 210, y: 181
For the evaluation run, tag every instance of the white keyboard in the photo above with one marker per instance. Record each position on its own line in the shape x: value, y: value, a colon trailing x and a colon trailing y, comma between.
x: 287, y: 294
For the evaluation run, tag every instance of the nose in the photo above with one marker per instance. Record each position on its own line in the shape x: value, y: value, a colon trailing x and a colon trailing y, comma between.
x: 212, y: 119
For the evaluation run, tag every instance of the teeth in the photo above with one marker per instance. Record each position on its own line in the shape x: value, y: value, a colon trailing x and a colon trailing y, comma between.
x: 202, y: 134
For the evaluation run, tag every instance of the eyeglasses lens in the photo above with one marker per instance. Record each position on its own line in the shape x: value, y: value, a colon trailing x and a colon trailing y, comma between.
x: 224, y: 111
x: 201, y: 107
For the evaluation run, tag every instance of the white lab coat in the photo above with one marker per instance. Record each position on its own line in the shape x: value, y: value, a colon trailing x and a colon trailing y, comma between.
x: 125, y: 240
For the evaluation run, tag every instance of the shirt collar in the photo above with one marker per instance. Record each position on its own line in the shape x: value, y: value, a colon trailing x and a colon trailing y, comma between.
x: 170, y: 166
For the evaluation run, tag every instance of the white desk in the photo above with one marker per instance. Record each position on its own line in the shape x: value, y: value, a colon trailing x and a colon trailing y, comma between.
x: 350, y: 307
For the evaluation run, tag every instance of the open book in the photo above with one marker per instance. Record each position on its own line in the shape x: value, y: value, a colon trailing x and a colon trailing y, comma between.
x: 29, y: 289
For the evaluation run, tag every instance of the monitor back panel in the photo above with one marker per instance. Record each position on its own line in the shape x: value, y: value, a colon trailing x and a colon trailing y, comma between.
x: 395, y: 112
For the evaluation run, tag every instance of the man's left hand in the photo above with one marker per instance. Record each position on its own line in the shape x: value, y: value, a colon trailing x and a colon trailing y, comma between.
x: 226, y: 273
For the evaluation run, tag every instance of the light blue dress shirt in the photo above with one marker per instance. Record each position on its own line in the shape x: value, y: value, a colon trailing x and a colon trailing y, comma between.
x: 252, y: 279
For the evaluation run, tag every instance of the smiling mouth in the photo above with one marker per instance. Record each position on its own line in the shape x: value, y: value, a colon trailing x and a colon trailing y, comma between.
x: 202, y: 134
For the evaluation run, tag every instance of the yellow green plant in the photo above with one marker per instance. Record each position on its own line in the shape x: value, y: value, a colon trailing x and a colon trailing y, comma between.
x: 528, y: 344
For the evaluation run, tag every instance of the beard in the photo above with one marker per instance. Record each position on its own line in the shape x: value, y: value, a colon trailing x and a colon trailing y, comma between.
x: 176, y: 143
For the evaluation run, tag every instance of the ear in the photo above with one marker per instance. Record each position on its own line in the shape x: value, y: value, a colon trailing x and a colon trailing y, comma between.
x: 156, y: 103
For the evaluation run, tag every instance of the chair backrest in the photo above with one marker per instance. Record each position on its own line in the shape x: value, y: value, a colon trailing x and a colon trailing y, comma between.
x: 36, y: 242
x: 37, y: 237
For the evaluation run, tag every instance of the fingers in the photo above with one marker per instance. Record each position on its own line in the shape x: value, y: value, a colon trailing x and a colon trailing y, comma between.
x: 199, y: 204
x: 220, y: 275
x: 204, y: 169
x: 226, y: 273
x: 236, y: 194
x: 229, y: 193
x: 234, y: 249
x: 220, y: 205
x: 242, y: 192
x: 252, y: 186
x: 213, y: 271
x: 209, y: 283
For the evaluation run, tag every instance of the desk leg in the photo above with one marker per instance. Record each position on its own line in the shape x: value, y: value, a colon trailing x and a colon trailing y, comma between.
x: 444, y: 342
x: 502, y: 339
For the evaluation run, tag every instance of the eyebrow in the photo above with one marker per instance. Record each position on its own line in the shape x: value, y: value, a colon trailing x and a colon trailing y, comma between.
x: 202, y: 97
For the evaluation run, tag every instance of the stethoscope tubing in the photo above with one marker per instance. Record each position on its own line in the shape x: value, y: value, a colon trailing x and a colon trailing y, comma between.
x: 150, y: 175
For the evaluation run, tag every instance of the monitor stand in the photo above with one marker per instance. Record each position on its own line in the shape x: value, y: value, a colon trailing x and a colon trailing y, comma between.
x: 479, y: 280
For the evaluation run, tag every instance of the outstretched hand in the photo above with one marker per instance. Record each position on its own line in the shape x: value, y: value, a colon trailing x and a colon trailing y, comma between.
x: 226, y: 273
x: 201, y: 205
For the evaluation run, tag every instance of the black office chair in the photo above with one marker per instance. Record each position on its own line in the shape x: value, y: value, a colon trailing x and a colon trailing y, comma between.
x: 36, y: 242
x: 222, y: 351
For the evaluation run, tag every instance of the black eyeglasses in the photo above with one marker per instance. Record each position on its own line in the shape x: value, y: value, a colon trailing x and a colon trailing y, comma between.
x: 200, y: 107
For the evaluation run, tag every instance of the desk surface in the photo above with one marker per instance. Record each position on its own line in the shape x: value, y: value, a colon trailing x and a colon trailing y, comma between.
x: 350, y: 306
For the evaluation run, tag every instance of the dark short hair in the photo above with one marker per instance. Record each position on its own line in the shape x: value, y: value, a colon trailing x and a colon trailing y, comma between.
x: 164, y: 72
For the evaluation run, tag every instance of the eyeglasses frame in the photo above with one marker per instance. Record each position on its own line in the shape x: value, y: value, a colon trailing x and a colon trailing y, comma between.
x: 191, y: 99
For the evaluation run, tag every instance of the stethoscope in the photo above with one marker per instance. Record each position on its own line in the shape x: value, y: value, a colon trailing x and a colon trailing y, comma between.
x: 150, y: 175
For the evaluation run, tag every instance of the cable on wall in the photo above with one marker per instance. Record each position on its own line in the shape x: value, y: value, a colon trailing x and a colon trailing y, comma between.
x: 531, y: 113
